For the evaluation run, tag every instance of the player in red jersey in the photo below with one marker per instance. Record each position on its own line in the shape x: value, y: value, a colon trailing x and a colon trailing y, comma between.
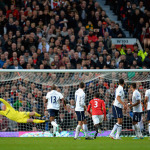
x: 98, y: 112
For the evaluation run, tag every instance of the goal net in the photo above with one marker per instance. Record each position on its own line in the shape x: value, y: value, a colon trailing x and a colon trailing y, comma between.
x: 26, y: 91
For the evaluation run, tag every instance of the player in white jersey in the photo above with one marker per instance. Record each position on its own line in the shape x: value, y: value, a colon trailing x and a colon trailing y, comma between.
x: 117, y: 110
x: 53, y: 105
x: 137, y: 110
x: 147, y: 104
x: 80, y: 108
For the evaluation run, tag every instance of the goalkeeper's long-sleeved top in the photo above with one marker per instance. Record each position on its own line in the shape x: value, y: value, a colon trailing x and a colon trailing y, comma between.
x: 80, y: 100
x: 10, y: 112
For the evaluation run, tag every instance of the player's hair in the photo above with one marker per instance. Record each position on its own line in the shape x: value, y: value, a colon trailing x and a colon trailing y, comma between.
x: 121, y: 81
x: 53, y: 87
x: 96, y: 95
x: 133, y: 85
x: 82, y: 85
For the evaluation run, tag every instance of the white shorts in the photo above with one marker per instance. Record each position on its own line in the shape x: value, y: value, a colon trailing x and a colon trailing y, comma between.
x: 97, y: 119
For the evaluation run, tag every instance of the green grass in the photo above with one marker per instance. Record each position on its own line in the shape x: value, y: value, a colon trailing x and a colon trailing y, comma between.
x: 71, y: 144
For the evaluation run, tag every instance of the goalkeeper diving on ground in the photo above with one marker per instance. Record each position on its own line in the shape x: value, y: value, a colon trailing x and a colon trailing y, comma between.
x: 20, y: 117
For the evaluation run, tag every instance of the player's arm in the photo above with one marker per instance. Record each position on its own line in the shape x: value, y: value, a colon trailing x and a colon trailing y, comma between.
x: 138, y: 98
x: 104, y: 110
x: 146, y: 98
x: 135, y: 104
x: 46, y: 100
x: 89, y: 107
x: 5, y: 102
x: 64, y: 102
x: 145, y: 101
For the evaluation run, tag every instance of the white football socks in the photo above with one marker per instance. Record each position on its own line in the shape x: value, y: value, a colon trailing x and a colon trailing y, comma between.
x: 85, y: 129
x: 149, y: 128
x: 137, y: 130
x: 54, y: 124
x: 54, y: 130
x: 119, y: 130
x: 77, y: 131
x: 114, y: 129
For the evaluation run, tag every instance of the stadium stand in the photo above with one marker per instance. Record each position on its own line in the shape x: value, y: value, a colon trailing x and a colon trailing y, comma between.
x: 135, y: 17
x: 51, y: 35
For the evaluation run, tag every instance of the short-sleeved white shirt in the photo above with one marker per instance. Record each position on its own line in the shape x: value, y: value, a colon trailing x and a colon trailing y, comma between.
x: 80, y: 100
x: 147, y: 94
x: 119, y: 92
x: 135, y: 98
x: 54, y: 99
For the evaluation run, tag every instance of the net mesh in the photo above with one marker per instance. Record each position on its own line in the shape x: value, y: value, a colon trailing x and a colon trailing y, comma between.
x: 27, y: 91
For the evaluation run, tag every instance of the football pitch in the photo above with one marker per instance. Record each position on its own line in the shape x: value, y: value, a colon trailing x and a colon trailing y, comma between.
x: 101, y: 143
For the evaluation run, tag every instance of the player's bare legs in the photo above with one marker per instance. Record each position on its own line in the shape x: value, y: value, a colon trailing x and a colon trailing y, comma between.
x: 118, y: 127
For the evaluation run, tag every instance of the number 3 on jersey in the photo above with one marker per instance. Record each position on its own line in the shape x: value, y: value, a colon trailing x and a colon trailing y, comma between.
x: 53, y: 99
x: 95, y: 104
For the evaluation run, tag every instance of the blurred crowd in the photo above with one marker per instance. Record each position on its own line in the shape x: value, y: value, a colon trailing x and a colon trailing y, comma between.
x: 135, y: 16
x: 26, y: 95
x: 71, y: 34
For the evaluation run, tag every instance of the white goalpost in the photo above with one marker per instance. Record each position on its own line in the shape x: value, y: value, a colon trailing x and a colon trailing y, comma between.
x: 26, y: 90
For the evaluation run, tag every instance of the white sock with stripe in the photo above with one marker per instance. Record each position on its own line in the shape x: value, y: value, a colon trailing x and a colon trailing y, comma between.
x: 136, y: 129
x: 149, y: 128
x: 54, y: 130
x: 54, y: 124
x: 77, y: 131
x: 85, y: 129
x: 114, y: 129
x: 119, y: 130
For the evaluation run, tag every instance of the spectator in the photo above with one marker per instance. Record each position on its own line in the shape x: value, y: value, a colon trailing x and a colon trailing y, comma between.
x: 138, y: 59
x: 49, y: 38
x: 3, y: 123
x: 13, y: 11
x: 22, y: 63
x: 15, y: 65
x: 46, y: 117
x: 117, y: 32
x: 43, y: 44
x: 104, y: 29
x: 123, y: 49
x: 129, y: 57
x: 18, y: 103
x: 107, y: 41
x: 147, y: 60
x: 2, y: 60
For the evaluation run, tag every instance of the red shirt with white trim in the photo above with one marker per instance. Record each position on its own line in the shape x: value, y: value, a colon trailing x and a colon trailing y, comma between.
x: 98, y: 107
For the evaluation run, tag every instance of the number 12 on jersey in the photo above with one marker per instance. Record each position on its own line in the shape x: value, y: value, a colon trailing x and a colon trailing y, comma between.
x: 53, y: 99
